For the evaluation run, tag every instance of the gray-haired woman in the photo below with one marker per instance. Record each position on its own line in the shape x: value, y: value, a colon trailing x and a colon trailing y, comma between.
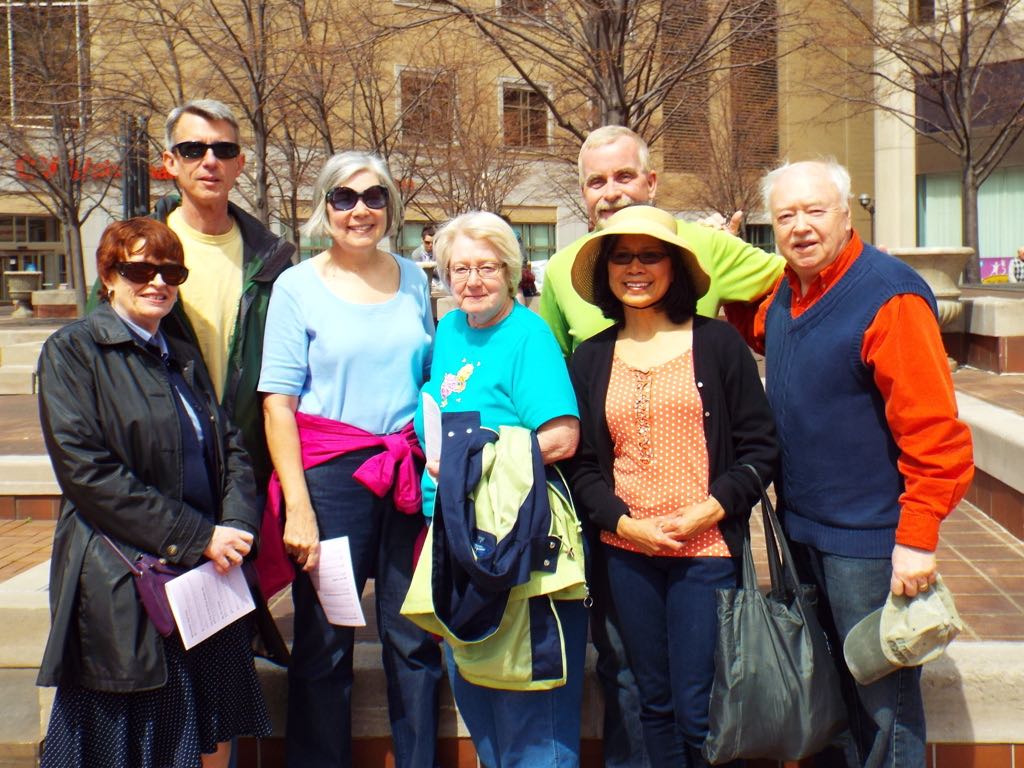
x: 349, y: 335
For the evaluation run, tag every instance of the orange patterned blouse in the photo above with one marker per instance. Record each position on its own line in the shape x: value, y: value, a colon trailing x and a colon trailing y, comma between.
x: 656, y: 423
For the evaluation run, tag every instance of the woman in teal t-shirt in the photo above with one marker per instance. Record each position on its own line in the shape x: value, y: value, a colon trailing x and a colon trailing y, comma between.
x: 495, y: 357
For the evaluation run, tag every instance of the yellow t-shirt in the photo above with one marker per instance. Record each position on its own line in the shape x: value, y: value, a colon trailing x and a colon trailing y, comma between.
x: 211, y: 294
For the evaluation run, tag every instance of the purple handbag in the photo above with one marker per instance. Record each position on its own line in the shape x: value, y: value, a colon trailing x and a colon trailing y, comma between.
x: 151, y: 576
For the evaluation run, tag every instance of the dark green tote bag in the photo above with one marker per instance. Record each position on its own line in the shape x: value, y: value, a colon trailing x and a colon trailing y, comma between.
x: 776, y: 691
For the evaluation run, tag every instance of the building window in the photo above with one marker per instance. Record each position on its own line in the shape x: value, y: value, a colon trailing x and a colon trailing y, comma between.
x: 761, y: 236
x: 922, y: 11
x: 428, y: 106
x: 538, y: 240
x: 33, y: 244
x: 43, y: 58
x: 525, y: 117
x: 410, y: 237
x: 1000, y: 197
x: 989, y: 5
x: 18, y: 231
x: 524, y: 8
x: 311, y: 246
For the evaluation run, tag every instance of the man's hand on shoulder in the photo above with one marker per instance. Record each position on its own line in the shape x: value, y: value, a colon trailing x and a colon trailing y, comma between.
x: 718, y: 221
x: 913, y: 570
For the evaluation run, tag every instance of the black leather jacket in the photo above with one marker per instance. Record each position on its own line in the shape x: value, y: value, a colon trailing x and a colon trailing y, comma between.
x: 113, y: 434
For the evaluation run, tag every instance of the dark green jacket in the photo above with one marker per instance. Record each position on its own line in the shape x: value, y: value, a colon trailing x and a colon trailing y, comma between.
x: 264, y: 257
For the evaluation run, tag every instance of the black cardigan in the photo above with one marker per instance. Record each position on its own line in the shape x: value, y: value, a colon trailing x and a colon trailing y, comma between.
x: 738, y: 426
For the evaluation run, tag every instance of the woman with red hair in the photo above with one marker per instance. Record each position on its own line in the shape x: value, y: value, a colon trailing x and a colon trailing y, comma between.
x: 147, y: 463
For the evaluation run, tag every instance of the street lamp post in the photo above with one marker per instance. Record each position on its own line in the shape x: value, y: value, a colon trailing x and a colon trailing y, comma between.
x: 868, y: 205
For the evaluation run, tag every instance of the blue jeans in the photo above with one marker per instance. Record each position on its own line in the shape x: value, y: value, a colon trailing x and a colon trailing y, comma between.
x: 622, y: 735
x: 668, y: 613
x: 529, y: 729
x: 320, y: 675
x: 887, y: 726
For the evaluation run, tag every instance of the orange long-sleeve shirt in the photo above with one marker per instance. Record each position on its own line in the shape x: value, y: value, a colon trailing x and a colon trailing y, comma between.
x: 903, y: 348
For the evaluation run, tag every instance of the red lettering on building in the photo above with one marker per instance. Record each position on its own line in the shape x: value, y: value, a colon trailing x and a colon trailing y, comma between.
x: 28, y: 167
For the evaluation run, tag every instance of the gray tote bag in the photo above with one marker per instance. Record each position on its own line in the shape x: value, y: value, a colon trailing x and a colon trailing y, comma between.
x: 776, y: 691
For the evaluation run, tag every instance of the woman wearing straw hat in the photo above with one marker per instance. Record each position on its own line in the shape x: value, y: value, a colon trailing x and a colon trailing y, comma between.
x: 671, y: 407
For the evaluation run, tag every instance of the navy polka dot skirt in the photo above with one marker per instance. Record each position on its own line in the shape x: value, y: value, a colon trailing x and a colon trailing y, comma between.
x: 212, y: 694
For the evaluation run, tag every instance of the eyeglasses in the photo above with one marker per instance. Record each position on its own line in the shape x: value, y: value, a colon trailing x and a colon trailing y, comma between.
x: 196, y: 150
x: 461, y: 273
x: 142, y: 272
x: 623, y: 258
x: 345, y: 199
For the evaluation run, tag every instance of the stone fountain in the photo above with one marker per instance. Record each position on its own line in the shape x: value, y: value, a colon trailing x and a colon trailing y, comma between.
x: 941, y: 268
x: 19, y: 288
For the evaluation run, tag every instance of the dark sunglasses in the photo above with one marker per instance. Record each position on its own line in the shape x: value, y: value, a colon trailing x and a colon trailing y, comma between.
x: 144, y: 271
x: 345, y: 199
x: 196, y: 150
x: 648, y: 257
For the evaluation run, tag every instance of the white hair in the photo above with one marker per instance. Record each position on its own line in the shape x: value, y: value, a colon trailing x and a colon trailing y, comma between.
x: 839, y: 176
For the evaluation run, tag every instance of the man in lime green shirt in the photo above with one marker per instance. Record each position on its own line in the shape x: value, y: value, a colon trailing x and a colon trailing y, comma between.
x: 615, y: 171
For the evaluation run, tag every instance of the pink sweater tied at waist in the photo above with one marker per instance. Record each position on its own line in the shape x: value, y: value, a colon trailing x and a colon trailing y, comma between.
x: 393, y: 469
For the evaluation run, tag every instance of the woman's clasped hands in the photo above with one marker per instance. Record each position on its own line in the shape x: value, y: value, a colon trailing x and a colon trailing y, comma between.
x: 666, y: 533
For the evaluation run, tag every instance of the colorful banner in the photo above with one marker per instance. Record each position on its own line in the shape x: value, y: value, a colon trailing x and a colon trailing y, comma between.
x: 995, y: 270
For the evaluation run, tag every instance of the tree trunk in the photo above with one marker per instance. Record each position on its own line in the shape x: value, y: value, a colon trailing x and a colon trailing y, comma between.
x: 969, y: 222
x: 76, y: 263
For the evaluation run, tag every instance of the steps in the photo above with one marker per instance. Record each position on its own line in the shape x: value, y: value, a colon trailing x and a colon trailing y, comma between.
x: 19, y: 353
x: 25, y: 619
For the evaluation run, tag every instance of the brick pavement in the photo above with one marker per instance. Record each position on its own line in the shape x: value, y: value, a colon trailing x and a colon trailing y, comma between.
x: 23, y: 544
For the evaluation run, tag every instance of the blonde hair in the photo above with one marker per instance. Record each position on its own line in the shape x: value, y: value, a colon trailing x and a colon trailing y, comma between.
x: 481, y: 226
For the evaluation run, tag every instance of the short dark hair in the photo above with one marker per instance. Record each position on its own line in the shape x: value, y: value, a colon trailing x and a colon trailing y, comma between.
x: 117, y: 243
x: 428, y: 229
x: 679, y: 301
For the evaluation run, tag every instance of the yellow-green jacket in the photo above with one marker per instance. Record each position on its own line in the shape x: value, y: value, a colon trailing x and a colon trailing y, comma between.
x: 519, y: 651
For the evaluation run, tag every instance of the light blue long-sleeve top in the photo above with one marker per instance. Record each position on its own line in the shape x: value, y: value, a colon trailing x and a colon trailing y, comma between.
x: 361, y: 364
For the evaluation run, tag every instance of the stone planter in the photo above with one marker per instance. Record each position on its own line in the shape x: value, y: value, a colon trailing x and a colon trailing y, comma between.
x: 19, y: 289
x: 941, y: 268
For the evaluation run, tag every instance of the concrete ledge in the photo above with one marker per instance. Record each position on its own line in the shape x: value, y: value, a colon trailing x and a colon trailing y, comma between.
x: 998, y: 439
x: 22, y: 353
x: 27, y: 476
x: 26, y: 714
x: 994, y: 316
x: 369, y: 698
x: 24, y: 618
x: 55, y: 296
x: 55, y: 303
x: 974, y: 694
x: 18, y: 380
x: 10, y: 336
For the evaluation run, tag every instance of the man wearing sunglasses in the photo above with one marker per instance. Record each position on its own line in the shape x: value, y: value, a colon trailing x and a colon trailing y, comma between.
x: 232, y: 258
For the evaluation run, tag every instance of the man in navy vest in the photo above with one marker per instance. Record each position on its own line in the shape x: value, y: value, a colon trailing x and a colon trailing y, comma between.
x: 873, y: 454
